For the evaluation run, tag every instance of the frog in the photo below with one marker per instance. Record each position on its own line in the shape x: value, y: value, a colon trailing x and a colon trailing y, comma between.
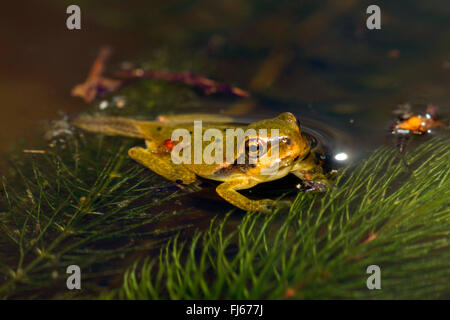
x: 295, y: 154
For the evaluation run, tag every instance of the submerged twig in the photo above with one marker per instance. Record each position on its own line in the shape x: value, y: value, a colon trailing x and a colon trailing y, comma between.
x: 35, y: 151
x: 96, y: 85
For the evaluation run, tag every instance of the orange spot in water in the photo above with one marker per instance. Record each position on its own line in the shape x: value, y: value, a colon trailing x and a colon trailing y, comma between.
x: 418, y: 124
x: 412, y: 123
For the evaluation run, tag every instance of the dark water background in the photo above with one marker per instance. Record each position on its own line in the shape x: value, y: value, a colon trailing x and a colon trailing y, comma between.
x: 313, y: 58
x: 321, y: 61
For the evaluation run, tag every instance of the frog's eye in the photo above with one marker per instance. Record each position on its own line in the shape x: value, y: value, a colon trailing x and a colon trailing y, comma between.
x: 286, y: 141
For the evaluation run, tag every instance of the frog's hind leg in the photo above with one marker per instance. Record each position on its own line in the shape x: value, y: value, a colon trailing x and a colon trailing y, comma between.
x: 113, y: 126
x: 162, y: 164
x: 191, y: 117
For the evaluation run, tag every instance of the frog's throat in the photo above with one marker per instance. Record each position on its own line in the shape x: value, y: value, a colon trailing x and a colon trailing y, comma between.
x: 298, y: 162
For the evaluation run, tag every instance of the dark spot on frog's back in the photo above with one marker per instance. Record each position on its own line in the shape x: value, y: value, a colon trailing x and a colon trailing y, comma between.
x: 224, y: 170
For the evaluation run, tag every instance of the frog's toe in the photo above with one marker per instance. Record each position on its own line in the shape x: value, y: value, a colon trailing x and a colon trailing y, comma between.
x: 283, y: 204
x: 191, y: 188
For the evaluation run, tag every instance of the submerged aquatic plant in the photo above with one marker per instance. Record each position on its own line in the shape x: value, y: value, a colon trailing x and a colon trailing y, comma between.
x: 89, y: 205
x: 380, y: 213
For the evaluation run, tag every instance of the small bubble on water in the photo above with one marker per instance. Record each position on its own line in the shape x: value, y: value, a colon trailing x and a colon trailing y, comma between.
x: 103, y: 105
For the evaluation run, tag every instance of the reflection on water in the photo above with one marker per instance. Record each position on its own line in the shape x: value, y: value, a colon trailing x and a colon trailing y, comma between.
x: 303, y: 57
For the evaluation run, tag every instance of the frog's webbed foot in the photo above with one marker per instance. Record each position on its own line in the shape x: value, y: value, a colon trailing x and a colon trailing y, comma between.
x: 311, y: 174
x: 311, y: 185
x: 162, y: 164
x: 313, y: 181
x: 228, y: 191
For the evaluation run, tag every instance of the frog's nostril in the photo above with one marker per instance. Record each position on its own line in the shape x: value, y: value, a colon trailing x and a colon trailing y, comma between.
x: 287, y: 116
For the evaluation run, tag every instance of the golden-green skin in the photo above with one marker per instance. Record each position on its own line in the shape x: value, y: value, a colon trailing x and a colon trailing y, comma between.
x: 294, y: 155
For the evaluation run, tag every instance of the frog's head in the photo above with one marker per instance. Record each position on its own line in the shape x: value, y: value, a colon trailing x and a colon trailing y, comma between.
x: 292, y: 145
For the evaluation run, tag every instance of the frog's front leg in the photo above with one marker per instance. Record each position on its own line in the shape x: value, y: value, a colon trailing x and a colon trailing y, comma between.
x: 228, y: 191
x: 161, y: 163
x: 310, y: 172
